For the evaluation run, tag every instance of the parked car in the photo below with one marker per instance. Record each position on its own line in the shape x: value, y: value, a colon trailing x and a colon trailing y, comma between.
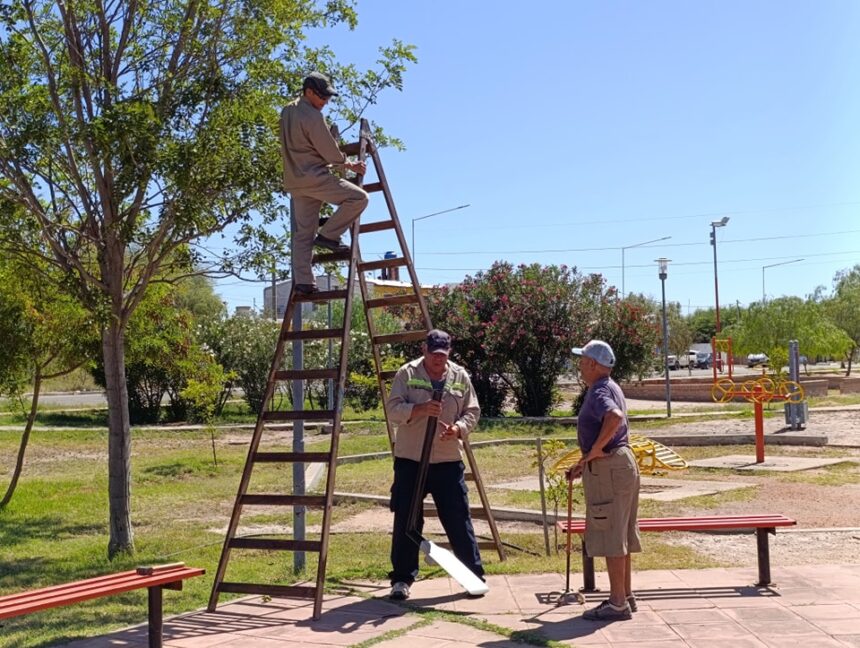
x: 704, y: 360
x: 688, y: 359
x: 757, y: 360
x: 673, y: 363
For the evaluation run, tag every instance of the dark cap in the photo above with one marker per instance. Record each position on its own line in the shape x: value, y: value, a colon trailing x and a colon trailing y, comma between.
x: 319, y: 83
x: 438, y: 342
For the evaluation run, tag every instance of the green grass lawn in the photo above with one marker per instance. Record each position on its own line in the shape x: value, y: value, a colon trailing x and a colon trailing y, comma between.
x: 55, y: 528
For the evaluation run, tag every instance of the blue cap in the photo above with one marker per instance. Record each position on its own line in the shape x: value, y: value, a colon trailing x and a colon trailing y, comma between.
x: 597, y: 350
x: 438, y: 341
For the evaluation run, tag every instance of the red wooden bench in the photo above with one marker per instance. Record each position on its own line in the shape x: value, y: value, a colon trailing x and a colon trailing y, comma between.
x: 153, y: 578
x: 761, y: 524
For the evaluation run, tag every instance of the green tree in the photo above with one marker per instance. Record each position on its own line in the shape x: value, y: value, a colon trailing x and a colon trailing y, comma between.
x: 768, y: 328
x: 129, y: 130
x: 46, y: 334
x: 843, y: 308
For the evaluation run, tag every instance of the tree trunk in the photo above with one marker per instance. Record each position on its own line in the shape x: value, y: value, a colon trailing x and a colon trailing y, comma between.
x: 25, y: 438
x: 119, y: 439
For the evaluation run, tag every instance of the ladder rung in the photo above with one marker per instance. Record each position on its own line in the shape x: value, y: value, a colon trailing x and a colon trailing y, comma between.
x: 352, y: 148
x: 378, y: 226
x: 407, y: 336
x: 283, y: 500
x: 288, y: 591
x: 275, y: 544
x: 372, y: 186
x: 469, y: 476
x: 314, y: 334
x: 383, y: 263
x: 306, y: 374
x: 394, y: 300
x: 322, y: 295
x: 387, y: 375
x: 299, y: 415
x: 296, y: 457
x: 330, y: 257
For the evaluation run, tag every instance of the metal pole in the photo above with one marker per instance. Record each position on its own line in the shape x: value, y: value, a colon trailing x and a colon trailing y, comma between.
x: 622, y: 273
x: 298, y: 425
x: 666, y: 349
x: 716, y: 281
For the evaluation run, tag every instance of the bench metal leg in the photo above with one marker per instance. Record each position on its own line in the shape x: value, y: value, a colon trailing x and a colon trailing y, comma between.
x: 155, y: 617
x: 587, y: 570
x: 763, y: 556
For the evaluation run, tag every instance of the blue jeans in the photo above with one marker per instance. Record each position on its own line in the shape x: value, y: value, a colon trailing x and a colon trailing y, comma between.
x: 447, y: 485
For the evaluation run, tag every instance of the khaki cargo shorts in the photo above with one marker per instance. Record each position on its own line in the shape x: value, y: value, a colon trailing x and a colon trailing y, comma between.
x: 612, y: 504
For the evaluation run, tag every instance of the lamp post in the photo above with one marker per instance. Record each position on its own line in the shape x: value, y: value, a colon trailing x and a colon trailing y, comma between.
x: 663, y: 264
x: 714, y: 225
x: 627, y: 247
x: 444, y: 211
x: 772, y: 265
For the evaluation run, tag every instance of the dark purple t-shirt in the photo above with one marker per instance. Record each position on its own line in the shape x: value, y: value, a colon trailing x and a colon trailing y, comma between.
x: 602, y: 396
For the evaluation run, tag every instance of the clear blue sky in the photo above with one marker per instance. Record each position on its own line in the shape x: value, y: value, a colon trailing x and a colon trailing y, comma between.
x: 576, y: 128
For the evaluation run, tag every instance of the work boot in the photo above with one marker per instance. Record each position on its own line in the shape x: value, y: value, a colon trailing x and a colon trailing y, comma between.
x: 305, y: 289
x: 334, y: 245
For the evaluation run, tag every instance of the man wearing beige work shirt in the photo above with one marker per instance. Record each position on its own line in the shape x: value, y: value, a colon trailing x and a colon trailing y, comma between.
x: 309, y: 152
x: 409, y: 406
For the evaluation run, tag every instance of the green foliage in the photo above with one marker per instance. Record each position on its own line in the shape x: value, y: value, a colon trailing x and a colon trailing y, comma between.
x: 514, y: 328
x: 362, y: 392
x: 243, y: 345
x: 843, y: 308
x: 768, y: 328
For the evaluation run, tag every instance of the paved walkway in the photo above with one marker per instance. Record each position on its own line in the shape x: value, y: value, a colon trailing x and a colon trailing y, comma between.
x: 816, y: 606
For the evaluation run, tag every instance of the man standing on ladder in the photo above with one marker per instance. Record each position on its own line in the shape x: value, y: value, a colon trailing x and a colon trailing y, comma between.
x: 309, y: 152
x: 409, y: 406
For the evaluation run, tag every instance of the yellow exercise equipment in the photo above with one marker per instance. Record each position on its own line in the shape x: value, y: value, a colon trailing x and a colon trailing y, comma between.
x: 653, y: 458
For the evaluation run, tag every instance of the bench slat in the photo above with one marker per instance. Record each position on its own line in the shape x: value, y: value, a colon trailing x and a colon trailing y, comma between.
x: 58, y: 595
x: 701, y: 523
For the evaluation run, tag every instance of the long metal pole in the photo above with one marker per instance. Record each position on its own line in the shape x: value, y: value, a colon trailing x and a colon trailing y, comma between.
x: 623, y: 294
x: 716, y: 282
x: 298, y: 425
x: 666, y: 349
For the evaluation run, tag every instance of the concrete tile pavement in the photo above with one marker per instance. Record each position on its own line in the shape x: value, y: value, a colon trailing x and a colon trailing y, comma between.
x: 813, y: 605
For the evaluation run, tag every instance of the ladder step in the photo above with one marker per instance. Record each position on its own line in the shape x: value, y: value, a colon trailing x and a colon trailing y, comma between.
x: 282, y: 500
x: 306, y: 374
x: 391, y: 301
x: 372, y: 186
x: 330, y: 257
x: 275, y: 544
x: 322, y: 295
x: 383, y: 263
x: 378, y: 226
x: 407, y: 336
x: 352, y: 148
x: 295, y: 457
x: 313, y: 334
x: 299, y: 415
x: 287, y: 591
x: 387, y: 375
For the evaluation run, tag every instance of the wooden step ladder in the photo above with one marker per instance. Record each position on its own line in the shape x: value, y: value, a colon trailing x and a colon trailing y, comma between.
x: 273, y: 414
x: 412, y: 297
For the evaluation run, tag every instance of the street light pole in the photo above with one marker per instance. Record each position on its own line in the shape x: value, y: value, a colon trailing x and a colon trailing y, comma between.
x: 444, y: 211
x: 627, y: 247
x: 663, y: 263
x: 772, y: 265
x: 714, y: 225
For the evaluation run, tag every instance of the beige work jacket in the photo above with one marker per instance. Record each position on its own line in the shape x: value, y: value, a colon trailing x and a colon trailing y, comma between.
x: 459, y: 404
x: 307, y: 146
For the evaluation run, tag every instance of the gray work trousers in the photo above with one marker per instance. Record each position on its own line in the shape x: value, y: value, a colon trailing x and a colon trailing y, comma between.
x: 350, y: 201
